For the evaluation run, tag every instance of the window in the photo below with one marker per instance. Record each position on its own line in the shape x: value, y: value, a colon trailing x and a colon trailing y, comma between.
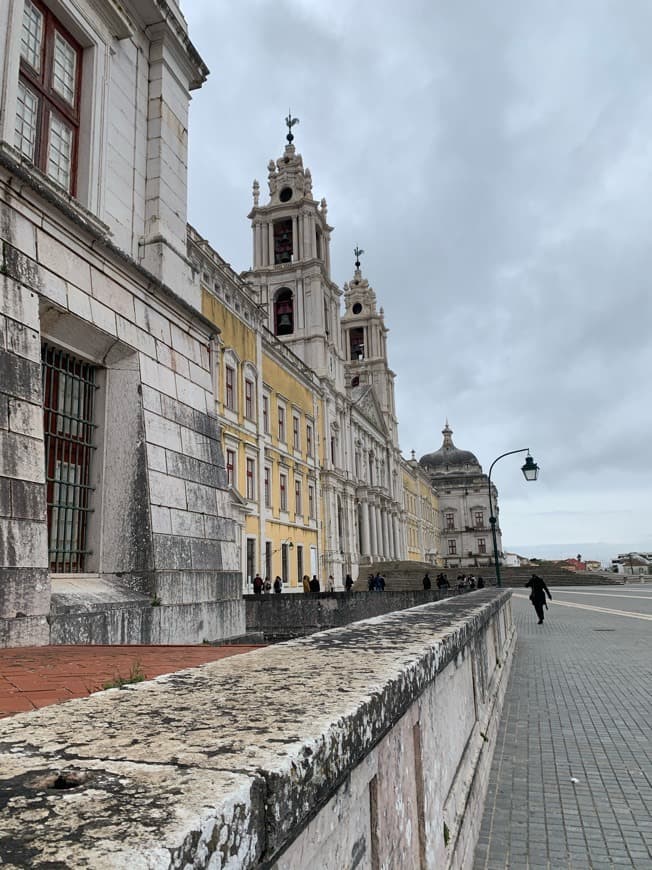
x: 47, y: 114
x: 449, y: 520
x: 297, y: 499
x: 249, y: 400
x: 311, y: 501
x: 299, y: 561
x: 355, y: 381
x: 284, y: 563
x: 452, y: 548
x: 229, y: 398
x: 283, y: 241
x: 296, y: 437
x: 266, y: 415
x: 69, y: 428
x: 251, y: 479
x: 482, y: 545
x: 230, y: 467
x: 281, y: 423
x: 333, y: 448
x: 266, y: 480
x: 309, y: 447
x: 284, y: 312
x: 268, y: 558
x: 478, y: 519
x: 356, y: 343
x: 251, y: 559
x: 283, y: 486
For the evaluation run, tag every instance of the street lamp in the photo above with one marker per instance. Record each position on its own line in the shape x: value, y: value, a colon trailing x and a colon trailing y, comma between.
x: 530, y: 472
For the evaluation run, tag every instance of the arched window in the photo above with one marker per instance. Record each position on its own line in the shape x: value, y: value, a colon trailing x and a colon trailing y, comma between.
x: 284, y: 312
x: 355, y: 381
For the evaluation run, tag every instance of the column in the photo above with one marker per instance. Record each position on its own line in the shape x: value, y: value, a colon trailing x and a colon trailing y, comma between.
x: 364, y: 524
x: 270, y: 243
x: 379, y: 533
x: 397, y: 542
x: 372, y: 531
x: 388, y: 545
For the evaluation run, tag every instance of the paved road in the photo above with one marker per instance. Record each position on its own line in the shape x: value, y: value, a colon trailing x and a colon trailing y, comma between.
x: 578, y: 707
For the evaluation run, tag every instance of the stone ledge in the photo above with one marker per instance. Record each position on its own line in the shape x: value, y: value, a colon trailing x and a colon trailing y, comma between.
x: 185, y: 763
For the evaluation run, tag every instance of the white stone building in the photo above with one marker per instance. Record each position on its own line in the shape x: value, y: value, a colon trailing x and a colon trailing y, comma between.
x: 361, y: 484
x: 464, y: 505
x: 115, y: 523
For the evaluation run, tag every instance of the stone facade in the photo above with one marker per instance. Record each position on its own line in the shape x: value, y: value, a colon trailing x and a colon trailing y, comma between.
x: 457, y: 476
x: 99, y: 283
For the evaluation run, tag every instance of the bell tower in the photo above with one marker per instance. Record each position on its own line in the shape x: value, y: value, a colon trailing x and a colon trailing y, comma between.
x: 290, y: 277
x: 365, y: 345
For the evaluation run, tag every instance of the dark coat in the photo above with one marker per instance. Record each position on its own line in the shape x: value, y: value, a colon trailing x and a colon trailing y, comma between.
x: 539, y: 589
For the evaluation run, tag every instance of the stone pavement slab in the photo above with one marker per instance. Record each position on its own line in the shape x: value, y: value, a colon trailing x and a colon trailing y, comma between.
x: 32, y: 677
x: 571, y: 780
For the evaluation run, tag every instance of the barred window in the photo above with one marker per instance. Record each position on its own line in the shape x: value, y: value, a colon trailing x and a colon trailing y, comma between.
x: 68, y: 421
x: 47, y: 110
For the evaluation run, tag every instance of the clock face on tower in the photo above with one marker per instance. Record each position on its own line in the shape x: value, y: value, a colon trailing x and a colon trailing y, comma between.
x: 357, y: 308
x: 286, y: 194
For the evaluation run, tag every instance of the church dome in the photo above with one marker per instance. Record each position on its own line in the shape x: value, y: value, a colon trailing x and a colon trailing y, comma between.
x: 449, y: 457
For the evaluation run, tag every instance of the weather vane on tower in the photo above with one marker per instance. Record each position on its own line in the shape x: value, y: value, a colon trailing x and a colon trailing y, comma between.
x: 290, y: 121
x: 358, y: 252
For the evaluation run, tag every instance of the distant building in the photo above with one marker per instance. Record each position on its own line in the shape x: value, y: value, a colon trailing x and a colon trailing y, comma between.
x: 632, y: 563
x: 464, y: 508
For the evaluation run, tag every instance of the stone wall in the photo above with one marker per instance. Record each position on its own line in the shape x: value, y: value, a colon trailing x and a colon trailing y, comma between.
x: 280, y: 617
x: 376, y: 754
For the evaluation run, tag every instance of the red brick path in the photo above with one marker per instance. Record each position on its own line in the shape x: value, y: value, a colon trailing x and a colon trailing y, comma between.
x: 32, y: 677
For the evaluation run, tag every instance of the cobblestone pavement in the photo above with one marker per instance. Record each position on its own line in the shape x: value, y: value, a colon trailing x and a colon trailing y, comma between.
x: 32, y: 677
x: 571, y: 780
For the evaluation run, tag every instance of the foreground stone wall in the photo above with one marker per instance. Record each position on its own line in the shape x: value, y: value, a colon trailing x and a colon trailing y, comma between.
x: 280, y: 617
x: 365, y: 746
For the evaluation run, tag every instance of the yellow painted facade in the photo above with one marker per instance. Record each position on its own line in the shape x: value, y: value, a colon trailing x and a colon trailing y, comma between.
x: 269, y: 406
x: 421, y: 506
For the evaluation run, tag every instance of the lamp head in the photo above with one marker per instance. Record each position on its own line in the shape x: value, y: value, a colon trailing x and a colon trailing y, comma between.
x: 530, y: 469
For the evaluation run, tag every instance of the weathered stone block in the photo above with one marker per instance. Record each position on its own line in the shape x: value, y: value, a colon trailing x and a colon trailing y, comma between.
x: 162, y: 432
x: 24, y: 592
x: 4, y: 412
x: 21, y: 457
x: 201, y: 498
x: 172, y: 552
x: 28, y: 500
x: 25, y: 418
x: 20, y: 377
x: 23, y: 544
x: 18, y: 267
x: 187, y: 524
x: 206, y: 555
x: 192, y: 469
x: 23, y: 340
x: 166, y: 491
x: 220, y: 528
x: 5, y: 497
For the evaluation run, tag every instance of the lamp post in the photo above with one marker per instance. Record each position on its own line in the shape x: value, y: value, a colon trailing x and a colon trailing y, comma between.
x: 530, y: 472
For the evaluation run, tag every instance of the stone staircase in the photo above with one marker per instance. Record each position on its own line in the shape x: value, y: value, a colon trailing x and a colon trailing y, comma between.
x: 409, y: 575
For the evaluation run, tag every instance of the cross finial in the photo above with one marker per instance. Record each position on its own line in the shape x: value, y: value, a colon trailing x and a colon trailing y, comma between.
x: 358, y: 252
x: 290, y: 121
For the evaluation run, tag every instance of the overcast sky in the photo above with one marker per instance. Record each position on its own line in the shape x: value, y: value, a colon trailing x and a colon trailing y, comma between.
x: 493, y: 161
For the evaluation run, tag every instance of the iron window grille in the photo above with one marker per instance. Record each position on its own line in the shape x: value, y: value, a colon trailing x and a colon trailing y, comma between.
x: 69, y: 429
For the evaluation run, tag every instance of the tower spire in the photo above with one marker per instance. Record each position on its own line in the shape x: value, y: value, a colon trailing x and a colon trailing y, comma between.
x: 290, y: 122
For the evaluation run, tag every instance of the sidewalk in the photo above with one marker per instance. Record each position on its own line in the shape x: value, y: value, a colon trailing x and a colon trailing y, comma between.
x: 32, y: 677
x: 571, y: 780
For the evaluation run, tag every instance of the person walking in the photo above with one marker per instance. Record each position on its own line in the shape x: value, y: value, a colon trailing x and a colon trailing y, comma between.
x: 331, y: 583
x: 306, y: 583
x: 314, y: 584
x: 258, y: 584
x: 426, y: 582
x: 538, y: 594
x: 348, y: 583
x: 278, y: 585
